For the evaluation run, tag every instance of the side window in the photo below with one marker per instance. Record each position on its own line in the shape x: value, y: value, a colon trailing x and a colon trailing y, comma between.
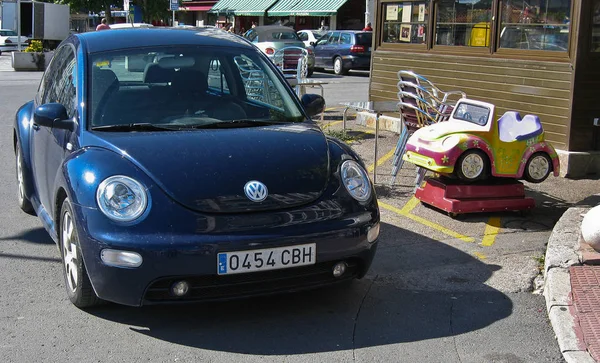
x: 216, y: 78
x: 52, y: 73
x: 303, y: 36
x: 346, y: 38
x: 324, y: 40
x: 335, y: 38
x: 62, y: 81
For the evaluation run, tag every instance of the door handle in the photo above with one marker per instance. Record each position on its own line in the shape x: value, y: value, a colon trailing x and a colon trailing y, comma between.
x: 35, y: 127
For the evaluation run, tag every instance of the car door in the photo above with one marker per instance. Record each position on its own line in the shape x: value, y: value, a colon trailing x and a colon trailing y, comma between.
x: 320, y: 48
x: 330, y: 49
x: 48, y: 144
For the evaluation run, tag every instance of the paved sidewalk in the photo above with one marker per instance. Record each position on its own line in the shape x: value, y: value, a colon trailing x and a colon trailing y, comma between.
x: 572, y: 287
x: 5, y: 62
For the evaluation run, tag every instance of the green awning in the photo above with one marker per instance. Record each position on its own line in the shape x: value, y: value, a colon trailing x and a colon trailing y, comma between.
x: 242, y: 7
x: 306, y: 7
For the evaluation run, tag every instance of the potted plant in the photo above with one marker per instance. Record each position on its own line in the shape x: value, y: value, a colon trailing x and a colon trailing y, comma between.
x: 33, y: 58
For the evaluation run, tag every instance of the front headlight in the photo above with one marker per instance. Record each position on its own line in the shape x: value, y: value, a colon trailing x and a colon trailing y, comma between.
x: 121, y: 198
x: 355, y: 180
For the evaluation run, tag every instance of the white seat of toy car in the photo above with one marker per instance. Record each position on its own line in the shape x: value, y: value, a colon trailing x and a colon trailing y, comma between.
x: 512, y: 128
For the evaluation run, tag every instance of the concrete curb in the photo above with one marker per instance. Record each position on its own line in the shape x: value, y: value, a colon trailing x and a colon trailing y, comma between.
x: 560, y: 254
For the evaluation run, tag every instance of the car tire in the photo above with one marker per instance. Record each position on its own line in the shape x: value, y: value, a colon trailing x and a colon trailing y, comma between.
x: 472, y: 165
x: 79, y: 288
x: 338, y: 66
x: 538, y: 167
x: 24, y: 203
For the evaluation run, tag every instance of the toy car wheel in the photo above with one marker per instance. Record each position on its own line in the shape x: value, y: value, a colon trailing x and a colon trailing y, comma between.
x: 79, y: 287
x: 472, y: 166
x: 338, y: 67
x: 22, y: 200
x: 538, y: 168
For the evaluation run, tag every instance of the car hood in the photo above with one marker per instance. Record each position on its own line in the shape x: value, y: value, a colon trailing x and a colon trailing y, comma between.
x: 438, y: 130
x: 207, y: 170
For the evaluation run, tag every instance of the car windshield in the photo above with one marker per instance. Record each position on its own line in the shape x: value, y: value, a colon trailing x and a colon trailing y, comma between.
x: 8, y: 33
x: 472, y: 113
x: 186, y: 87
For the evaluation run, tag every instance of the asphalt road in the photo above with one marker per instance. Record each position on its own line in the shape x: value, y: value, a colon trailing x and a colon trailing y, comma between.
x: 440, y: 289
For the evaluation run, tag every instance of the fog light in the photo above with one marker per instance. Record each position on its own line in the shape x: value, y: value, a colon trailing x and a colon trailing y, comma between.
x: 118, y: 258
x: 339, y: 269
x: 180, y: 288
x: 373, y: 233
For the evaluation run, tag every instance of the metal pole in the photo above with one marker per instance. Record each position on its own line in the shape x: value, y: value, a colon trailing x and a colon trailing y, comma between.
x: 173, y: 17
x: 19, y: 25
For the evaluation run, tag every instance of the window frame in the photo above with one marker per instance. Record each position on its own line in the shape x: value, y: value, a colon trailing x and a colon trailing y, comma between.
x: 493, y: 51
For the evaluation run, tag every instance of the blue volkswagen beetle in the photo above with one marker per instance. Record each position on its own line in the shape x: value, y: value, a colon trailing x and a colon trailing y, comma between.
x: 178, y: 165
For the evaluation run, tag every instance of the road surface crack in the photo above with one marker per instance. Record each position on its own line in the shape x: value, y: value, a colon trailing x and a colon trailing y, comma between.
x: 356, y: 317
x: 452, y: 329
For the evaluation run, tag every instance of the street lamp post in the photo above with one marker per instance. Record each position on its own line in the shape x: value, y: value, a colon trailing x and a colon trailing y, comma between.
x: 19, y: 25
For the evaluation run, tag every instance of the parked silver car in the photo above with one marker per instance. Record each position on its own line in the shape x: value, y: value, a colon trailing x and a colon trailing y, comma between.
x: 271, y: 38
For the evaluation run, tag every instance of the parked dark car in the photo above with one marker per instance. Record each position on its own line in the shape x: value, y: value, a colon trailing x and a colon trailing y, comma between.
x: 199, y: 176
x: 344, y: 50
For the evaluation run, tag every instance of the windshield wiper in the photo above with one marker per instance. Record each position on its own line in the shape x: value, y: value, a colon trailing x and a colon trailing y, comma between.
x: 236, y: 124
x: 136, y: 127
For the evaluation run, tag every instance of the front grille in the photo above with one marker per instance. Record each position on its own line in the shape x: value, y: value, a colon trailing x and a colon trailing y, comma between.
x: 215, y: 287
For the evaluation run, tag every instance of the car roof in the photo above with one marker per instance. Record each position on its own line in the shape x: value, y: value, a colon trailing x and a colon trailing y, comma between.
x: 263, y: 28
x: 106, y: 40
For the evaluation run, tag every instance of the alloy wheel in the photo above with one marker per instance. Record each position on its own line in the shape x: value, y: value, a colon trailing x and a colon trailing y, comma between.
x: 337, y: 66
x: 20, y: 179
x: 69, y: 249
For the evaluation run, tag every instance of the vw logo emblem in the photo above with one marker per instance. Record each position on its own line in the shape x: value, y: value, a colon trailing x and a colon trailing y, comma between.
x: 256, y: 191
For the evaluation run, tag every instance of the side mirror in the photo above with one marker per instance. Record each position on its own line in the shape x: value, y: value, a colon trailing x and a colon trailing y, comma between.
x: 313, y: 44
x: 313, y: 104
x: 53, y: 115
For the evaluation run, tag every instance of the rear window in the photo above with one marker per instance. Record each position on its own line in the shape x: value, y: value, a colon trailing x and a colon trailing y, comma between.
x: 279, y: 35
x: 364, y: 39
x: 8, y: 33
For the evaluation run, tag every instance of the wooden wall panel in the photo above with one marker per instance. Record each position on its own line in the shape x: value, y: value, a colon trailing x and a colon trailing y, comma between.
x: 536, y: 87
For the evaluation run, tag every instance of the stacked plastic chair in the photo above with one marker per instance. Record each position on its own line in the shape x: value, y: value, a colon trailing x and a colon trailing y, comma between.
x: 421, y: 104
x: 293, y: 63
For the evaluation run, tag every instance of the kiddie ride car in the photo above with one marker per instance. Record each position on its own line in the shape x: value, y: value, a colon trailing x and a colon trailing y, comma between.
x: 480, y: 159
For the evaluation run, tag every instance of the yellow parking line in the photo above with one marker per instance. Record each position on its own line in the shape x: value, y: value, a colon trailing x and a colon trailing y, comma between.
x: 329, y: 124
x: 492, y: 228
x: 382, y: 160
x: 479, y: 255
x: 403, y: 212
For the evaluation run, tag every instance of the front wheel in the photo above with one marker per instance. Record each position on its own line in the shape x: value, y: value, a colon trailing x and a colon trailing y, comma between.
x: 538, y: 167
x: 338, y: 67
x: 472, y: 166
x: 79, y: 287
x: 22, y: 200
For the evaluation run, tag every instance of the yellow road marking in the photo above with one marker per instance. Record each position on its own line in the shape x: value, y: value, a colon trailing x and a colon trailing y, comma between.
x: 410, y: 205
x: 492, y: 228
x: 403, y: 212
x: 329, y: 124
x: 479, y: 255
x: 382, y: 160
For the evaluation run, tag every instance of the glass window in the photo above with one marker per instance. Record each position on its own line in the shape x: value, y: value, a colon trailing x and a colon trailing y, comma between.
x: 464, y: 23
x: 365, y: 39
x: 334, y: 38
x: 346, y: 38
x: 596, y: 26
x: 324, y: 39
x: 303, y: 36
x: 535, y: 24
x: 216, y: 78
x: 187, y: 87
x: 405, y: 22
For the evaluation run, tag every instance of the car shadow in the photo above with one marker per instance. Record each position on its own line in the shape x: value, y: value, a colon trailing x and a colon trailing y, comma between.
x: 417, y: 289
x: 35, y: 235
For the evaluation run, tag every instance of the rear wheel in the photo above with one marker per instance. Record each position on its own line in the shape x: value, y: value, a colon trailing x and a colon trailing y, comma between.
x: 538, y: 168
x: 22, y: 200
x: 338, y: 66
x: 472, y: 166
x: 79, y: 287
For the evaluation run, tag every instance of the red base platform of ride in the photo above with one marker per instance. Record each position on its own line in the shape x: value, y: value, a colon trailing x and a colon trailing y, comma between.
x: 456, y: 198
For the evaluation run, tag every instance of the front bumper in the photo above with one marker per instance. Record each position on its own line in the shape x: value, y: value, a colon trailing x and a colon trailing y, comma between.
x: 427, y: 163
x: 176, y: 248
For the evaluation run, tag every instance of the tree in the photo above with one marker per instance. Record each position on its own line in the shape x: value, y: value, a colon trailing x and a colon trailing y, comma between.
x: 95, y: 6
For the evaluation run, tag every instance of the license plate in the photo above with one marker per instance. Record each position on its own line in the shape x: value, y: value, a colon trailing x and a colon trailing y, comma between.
x: 237, y: 262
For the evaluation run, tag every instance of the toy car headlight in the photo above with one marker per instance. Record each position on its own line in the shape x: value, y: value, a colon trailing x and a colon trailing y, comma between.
x: 121, y: 198
x: 355, y: 180
x: 450, y: 141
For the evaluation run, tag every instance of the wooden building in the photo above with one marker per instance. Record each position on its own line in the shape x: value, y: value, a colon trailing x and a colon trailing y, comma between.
x: 536, y: 57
